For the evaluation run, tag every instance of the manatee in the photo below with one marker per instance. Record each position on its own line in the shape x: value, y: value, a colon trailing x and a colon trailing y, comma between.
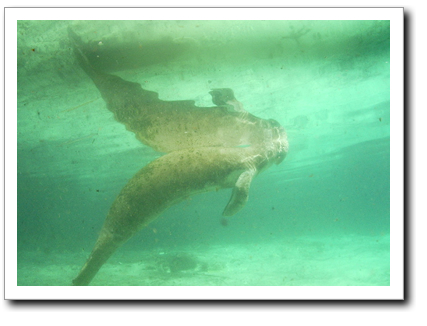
x: 205, y: 149
x: 167, y: 181
x: 172, y: 125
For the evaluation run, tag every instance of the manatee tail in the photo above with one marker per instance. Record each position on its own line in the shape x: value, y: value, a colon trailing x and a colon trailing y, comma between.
x: 104, y: 248
x: 112, y: 88
x: 79, y: 52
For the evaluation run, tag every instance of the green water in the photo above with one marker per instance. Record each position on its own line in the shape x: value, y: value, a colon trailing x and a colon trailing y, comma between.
x: 322, y: 217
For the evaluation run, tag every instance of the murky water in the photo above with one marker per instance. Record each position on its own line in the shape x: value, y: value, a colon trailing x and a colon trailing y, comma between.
x: 319, y: 218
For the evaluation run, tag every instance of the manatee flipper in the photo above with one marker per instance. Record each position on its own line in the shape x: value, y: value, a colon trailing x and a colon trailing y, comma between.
x: 220, y: 96
x: 225, y: 97
x: 240, y: 193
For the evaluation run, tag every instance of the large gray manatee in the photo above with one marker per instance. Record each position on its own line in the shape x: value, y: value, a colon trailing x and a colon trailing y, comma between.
x: 170, y: 179
x: 207, y: 149
x: 168, y: 126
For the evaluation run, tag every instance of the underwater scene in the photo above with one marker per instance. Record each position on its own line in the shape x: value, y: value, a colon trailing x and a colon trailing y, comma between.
x: 203, y: 153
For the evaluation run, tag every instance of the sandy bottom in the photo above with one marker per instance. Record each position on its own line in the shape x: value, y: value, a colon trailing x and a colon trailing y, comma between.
x: 321, y: 261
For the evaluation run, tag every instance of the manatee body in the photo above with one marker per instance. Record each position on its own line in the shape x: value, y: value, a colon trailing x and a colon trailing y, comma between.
x: 168, y: 126
x: 167, y: 181
x: 207, y: 149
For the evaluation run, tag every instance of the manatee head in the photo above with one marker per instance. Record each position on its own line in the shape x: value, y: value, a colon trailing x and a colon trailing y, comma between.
x: 276, y: 141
